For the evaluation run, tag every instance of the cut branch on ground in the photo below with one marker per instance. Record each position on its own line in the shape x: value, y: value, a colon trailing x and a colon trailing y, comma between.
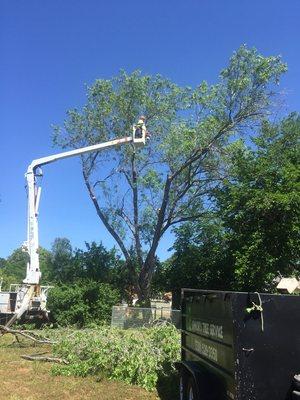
x: 44, y: 359
x: 26, y: 334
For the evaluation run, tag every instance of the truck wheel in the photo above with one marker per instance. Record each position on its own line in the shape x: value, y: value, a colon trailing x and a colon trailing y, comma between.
x: 191, y: 390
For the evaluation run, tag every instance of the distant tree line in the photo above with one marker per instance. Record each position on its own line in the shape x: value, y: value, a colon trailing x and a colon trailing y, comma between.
x: 86, y: 283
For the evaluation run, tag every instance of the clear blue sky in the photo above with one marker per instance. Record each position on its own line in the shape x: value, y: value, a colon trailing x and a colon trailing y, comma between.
x: 51, y: 49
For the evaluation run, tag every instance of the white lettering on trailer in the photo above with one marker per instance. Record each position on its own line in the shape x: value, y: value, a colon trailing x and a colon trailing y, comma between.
x: 214, y: 331
x: 206, y: 350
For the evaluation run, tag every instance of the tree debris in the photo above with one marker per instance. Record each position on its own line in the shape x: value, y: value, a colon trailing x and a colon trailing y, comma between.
x: 26, y: 334
x: 45, y: 359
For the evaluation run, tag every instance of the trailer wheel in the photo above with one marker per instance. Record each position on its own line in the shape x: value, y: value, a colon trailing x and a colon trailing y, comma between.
x: 182, y: 388
x: 191, y: 390
x: 184, y: 376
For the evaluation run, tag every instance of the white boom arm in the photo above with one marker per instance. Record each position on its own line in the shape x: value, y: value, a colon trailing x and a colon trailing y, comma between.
x: 33, y: 274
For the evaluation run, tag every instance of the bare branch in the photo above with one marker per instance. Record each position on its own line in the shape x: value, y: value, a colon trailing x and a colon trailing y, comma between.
x: 28, y: 335
x: 113, y: 172
x: 104, y: 218
x: 127, y: 220
x: 92, y: 159
x: 160, y: 221
x: 136, y: 211
x: 127, y: 177
x: 183, y: 219
x: 46, y: 359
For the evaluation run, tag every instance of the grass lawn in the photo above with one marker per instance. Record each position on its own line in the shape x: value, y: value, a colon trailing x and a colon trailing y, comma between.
x: 21, y: 379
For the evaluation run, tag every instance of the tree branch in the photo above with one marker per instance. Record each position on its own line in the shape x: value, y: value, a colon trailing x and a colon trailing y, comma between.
x: 160, y: 221
x: 127, y: 177
x: 103, y: 217
x: 200, y: 152
x: 43, y: 358
x: 92, y: 159
x: 182, y: 219
x: 27, y: 335
x: 127, y: 221
x: 159, y: 229
x: 136, y: 211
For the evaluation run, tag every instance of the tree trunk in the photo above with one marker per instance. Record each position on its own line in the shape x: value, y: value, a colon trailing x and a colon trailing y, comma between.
x: 144, y: 282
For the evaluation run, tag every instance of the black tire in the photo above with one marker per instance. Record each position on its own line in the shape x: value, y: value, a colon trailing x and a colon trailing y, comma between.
x: 182, y: 386
x: 191, y: 393
x: 296, y: 382
x: 295, y: 395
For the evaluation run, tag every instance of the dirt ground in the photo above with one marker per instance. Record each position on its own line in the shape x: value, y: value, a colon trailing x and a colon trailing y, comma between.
x: 21, y: 379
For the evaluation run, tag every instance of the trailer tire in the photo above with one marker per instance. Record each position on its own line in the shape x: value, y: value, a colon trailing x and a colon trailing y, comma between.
x: 182, y: 394
x: 296, y: 382
x: 197, y: 384
x: 192, y: 390
x: 184, y: 377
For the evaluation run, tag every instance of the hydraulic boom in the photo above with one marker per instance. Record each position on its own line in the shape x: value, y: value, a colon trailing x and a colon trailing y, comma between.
x: 31, y: 296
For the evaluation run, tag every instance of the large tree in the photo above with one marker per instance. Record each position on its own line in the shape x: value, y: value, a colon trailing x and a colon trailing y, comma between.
x: 139, y: 193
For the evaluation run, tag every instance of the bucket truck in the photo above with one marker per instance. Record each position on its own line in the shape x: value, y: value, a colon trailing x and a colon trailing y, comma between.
x: 30, y: 298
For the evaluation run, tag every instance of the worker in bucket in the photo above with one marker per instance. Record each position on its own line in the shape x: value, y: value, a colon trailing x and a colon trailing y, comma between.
x: 140, y: 128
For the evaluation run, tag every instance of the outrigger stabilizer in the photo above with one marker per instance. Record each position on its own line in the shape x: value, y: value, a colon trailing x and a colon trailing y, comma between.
x: 30, y: 298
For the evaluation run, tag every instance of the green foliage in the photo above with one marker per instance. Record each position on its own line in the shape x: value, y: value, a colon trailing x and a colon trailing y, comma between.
x: 137, y: 357
x: 201, y: 260
x: 87, y: 283
x: 93, y: 263
x: 5, y: 276
x: 14, y: 268
x: 260, y: 206
x: 254, y: 233
x: 61, y: 261
x: 7, y: 280
x: 16, y: 265
x: 2, y: 263
x: 82, y: 303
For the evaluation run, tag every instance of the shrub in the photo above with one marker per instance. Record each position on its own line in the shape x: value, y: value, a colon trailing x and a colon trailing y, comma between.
x: 138, y: 357
x: 82, y: 303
